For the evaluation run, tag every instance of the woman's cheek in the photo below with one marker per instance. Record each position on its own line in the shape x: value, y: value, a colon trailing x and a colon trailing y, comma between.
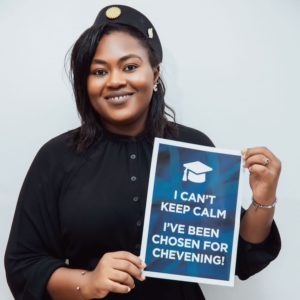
x: 94, y: 86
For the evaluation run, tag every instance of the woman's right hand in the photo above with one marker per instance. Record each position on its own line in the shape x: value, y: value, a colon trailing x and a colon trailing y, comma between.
x: 115, y: 273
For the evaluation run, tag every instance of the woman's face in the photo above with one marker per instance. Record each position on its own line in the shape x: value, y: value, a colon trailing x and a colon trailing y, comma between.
x: 120, y: 83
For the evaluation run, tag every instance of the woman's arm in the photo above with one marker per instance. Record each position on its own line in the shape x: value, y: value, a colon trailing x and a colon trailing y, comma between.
x: 63, y: 283
x: 264, y: 168
x: 256, y: 224
x: 115, y: 272
x: 34, y: 249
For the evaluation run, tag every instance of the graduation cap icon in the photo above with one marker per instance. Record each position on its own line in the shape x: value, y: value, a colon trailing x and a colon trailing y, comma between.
x: 195, y: 172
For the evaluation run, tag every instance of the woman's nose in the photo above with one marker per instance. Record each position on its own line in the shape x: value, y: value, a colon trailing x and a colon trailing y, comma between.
x: 116, y: 79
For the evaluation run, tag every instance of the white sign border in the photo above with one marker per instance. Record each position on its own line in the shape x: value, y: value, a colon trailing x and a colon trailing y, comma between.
x: 157, y: 143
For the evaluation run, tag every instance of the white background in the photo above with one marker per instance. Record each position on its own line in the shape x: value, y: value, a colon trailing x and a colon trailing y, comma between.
x: 231, y: 69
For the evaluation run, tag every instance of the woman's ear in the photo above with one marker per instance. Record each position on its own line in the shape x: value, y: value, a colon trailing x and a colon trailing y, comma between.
x: 156, y: 71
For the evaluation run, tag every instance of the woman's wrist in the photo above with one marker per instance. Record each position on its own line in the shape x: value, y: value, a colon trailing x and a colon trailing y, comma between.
x: 264, y: 204
x: 83, y: 288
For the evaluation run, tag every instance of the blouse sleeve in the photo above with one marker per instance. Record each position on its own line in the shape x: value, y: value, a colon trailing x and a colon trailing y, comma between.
x: 252, y: 258
x: 34, y: 247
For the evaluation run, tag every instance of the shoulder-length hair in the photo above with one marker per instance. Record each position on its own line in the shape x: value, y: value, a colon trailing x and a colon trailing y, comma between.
x: 157, y: 123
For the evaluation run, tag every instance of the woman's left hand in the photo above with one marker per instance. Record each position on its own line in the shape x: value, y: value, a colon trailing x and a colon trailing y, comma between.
x: 264, y: 168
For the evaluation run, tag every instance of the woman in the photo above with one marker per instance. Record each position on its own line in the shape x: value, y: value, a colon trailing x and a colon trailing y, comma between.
x: 78, y: 223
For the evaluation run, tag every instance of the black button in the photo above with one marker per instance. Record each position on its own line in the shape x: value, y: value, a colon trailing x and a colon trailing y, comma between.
x: 135, y: 199
x: 133, y: 156
x: 139, y: 223
x: 133, y: 178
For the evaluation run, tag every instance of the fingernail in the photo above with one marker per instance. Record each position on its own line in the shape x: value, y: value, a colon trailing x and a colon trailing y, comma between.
x: 143, y: 264
x: 128, y: 289
x: 143, y: 277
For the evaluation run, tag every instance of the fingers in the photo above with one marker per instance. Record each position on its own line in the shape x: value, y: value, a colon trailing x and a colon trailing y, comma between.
x: 258, y: 150
x: 263, y: 157
x: 123, y: 278
x: 128, y: 267
x: 116, y: 287
x: 259, y: 159
x: 257, y: 170
x: 115, y: 272
x: 127, y: 262
x: 264, y: 168
x: 130, y: 257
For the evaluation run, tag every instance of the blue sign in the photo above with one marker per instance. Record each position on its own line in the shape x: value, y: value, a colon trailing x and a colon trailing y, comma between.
x: 192, y: 215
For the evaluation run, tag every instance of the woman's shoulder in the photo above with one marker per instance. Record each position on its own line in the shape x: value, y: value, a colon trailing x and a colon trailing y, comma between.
x: 60, y: 144
x: 59, y: 152
x: 191, y: 135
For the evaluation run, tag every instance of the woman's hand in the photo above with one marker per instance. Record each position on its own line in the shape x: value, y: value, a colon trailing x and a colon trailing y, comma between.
x: 264, y: 168
x: 115, y: 273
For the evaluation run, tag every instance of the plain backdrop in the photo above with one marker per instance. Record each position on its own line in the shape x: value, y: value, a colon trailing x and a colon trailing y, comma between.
x: 231, y: 70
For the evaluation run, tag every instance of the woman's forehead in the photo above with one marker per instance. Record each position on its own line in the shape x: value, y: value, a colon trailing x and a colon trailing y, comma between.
x: 117, y: 44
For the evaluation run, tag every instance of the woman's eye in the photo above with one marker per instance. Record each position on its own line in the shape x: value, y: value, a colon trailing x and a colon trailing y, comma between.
x: 130, y: 68
x: 100, y: 72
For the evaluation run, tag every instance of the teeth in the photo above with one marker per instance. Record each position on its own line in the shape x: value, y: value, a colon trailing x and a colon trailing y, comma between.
x: 118, y: 97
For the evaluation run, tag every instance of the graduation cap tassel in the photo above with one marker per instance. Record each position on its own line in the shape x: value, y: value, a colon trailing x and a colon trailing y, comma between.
x: 184, y: 178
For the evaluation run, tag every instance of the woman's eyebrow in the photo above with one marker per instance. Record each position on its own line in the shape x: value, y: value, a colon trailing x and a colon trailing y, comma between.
x: 99, y: 61
x: 123, y: 58
x: 129, y: 56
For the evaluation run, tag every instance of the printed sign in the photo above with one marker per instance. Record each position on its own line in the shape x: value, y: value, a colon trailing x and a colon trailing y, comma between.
x: 191, y: 225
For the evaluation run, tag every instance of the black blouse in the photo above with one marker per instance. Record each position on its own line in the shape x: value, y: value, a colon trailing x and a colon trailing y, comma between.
x: 74, y: 207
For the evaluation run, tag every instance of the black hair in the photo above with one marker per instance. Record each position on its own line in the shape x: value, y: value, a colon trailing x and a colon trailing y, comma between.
x: 91, y: 129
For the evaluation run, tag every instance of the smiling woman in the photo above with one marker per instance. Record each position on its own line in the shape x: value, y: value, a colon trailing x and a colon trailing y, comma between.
x: 77, y: 228
x: 120, y: 84
x: 119, y: 54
